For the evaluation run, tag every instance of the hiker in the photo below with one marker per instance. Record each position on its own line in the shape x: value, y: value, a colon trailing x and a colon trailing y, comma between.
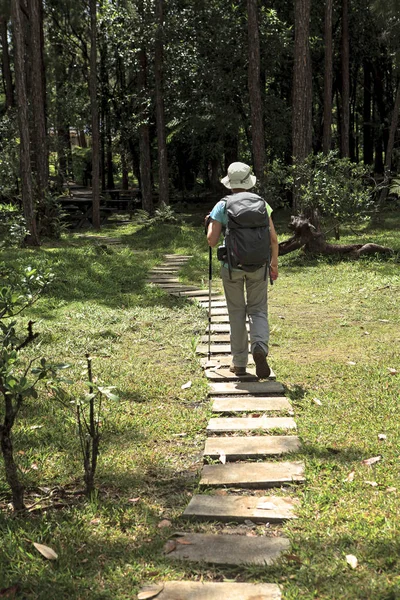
x: 248, y: 216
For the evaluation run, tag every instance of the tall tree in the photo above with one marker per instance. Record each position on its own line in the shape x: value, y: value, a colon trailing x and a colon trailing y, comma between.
x: 23, y: 121
x: 302, y: 89
x: 8, y: 85
x: 38, y: 99
x: 95, y: 116
x: 345, y: 67
x: 254, y: 85
x: 159, y: 97
x: 328, y: 79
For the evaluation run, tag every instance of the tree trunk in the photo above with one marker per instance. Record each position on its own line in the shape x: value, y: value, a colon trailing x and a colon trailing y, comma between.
x: 124, y: 168
x: 163, y: 187
x: 11, y: 471
x: 38, y: 99
x: 302, y: 90
x: 95, y: 117
x: 313, y: 242
x: 345, y: 62
x: 23, y: 124
x: 368, y: 147
x: 254, y: 85
x: 328, y: 79
x: 144, y: 137
x: 8, y: 86
x: 390, y: 145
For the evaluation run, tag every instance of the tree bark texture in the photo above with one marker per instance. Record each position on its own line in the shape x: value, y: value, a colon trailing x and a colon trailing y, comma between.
x: 40, y: 158
x: 163, y: 187
x: 144, y: 136
x: 8, y: 86
x: 95, y: 117
x: 254, y: 85
x: 11, y: 471
x: 390, y: 144
x: 313, y: 242
x: 345, y: 63
x: 302, y: 92
x: 328, y: 79
x: 23, y: 124
x: 368, y: 148
x: 302, y: 83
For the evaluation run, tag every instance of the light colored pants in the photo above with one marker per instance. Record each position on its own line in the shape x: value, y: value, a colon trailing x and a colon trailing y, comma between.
x: 254, y: 305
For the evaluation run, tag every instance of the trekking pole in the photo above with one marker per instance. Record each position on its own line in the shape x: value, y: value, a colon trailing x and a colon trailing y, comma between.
x: 209, y: 301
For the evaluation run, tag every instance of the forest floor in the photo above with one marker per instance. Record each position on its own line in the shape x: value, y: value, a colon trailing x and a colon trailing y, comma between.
x: 335, y: 336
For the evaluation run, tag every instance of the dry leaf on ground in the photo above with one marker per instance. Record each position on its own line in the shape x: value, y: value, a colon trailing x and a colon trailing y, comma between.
x: 317, y: 401
x: 392, y: 371
x: 186, y: 385
x: 183, y: 542
x: 150, y: 592
x: 351, y: 560
x: 46, y: 551
x: 164, y: 523
x: 371, y: 461
x: 222, y: 456
x: 381, y: 436
x: 133, y: 500
x: 372, y: 483
x: 350, y: 476
x: 170, y: 546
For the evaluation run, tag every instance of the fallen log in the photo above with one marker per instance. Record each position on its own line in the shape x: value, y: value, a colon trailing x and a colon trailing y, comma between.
x: 313, y: 242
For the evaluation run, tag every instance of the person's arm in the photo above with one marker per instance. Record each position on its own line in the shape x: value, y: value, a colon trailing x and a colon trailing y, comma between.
x: 213, y: 232
x: 274, y: 250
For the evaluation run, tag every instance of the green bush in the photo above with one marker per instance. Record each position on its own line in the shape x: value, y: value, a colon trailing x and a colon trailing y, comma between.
x: 12, y: 226
x: 82, y: 164
x: 335, y: 187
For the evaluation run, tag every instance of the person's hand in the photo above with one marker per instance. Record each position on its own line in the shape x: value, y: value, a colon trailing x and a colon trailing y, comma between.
x: 273, y: 270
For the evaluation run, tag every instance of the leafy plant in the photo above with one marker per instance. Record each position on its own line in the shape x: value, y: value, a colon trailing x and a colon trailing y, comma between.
x: 334, y: 187
x: 395, y: 186
x: 9, y: 163
x: 88, y: 414
x: 163, y: 214
x: 12, y: 226
x: 17, y: 292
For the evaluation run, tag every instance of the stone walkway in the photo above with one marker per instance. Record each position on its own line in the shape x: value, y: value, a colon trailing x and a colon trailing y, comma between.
x: 254, y: 423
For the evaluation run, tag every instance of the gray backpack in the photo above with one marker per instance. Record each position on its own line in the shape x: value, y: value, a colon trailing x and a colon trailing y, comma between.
x: 247, y: 237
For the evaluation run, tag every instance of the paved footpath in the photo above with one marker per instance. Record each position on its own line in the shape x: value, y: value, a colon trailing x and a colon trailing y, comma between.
x: 251, y: 445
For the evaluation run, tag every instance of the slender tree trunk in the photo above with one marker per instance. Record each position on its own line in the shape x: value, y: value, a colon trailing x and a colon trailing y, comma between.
x: 144, y: 137
x: 390, y: 144
x: 124, y: 167
x: 95, y: 117
x: 345, y: 61
x: 328, y: 79
x: 302, y: 90
x: 254, y: 85
x: 11, y: 472
x: 368, y: 148
x: 38, y: 98
x: 8, y: 86
x: 23, y: 124
x: 160, y: 117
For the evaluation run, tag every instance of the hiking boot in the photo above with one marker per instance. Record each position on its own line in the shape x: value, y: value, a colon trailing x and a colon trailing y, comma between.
x: 260, y: 358
x: 239, y: 371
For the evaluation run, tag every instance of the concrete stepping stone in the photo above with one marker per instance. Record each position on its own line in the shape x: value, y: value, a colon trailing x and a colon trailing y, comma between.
x: 214, y: 304
x: 251, y: 404
x: 224, y: 374
x: 161, y: 271
x: 214, y: 349
x: 196, y: 293
x: 221, y: 319
x: 162, y: 279
x: 231, y: 424
x: 243, y: 388
x: 229, y: 549
x: 220, y: 338
x: 219, y: 311
x: 265, y: 509
x: 178, y: 256
x: 257, y: 475
x: 198, y: 590
x: 222, y: 328
x: 240, y: 448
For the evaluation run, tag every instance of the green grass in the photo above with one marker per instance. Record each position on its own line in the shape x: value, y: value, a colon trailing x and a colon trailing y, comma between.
x: 324, y: 315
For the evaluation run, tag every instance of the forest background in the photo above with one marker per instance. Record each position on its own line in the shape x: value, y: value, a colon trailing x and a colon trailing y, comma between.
x: 167, y: 94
